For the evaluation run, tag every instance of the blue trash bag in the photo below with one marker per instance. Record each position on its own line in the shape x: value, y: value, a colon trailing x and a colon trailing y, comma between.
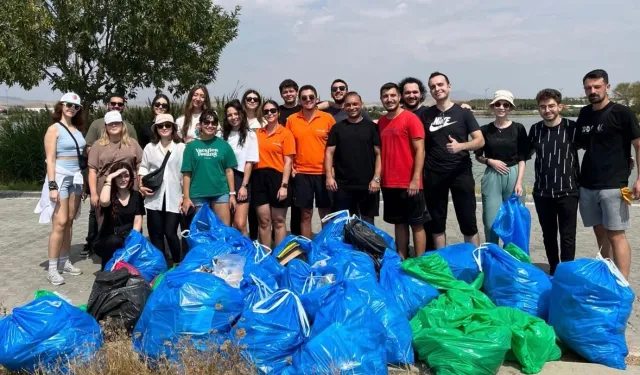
x: 513, y: 223
x: 315, y: 290
x: 590, y: 304
x: 261, y: 262
x: 410, y: 293
x: 204, y: 254
x: 334, y: 229
x: 141, y: 254
x: 295, y: 275
x: 348, y: 264
x: 206, y: 227
x: 194, y: 306
x: 272, y: 331
x: 47, y: 334
x: 255, y: 289
x: 461, y: 261
x: 346, y: 338
x: 512, y: 283
x: 397, y: 329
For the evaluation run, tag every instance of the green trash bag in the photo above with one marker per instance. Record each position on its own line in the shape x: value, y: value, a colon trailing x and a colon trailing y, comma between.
x: 517, y: 253
x: 42, y: 293
x: 433, y: 269
x: 533, y: 342
x: 159, y: 278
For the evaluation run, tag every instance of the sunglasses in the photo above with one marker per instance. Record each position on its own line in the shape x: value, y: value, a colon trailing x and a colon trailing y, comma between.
x: 502, y: 105
x: 209, y: 123
x: 161, y: 105
x: 271, y: 110
x: 117, y: 104
x: 74, y: 106
x: 114, y: 124
x: 252, y: 99
x: 166, y: 125
x: 304, y: 98
x: 338, y: 88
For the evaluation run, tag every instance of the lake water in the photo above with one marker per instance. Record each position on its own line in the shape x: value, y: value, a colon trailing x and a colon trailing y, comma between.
x: 529, y: 178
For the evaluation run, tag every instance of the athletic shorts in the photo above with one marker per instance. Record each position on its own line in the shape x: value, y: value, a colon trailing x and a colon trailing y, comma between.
x: 310, y: 187
x: 400, y: 208
x: 604, y: 207
x: 265, y: 183
x: 358, y: 202
x: 237, y: 178
x: 436, y: 193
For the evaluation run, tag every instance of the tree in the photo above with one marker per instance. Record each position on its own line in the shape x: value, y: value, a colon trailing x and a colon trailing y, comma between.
x: 97, y: 47
x: 623, y: 93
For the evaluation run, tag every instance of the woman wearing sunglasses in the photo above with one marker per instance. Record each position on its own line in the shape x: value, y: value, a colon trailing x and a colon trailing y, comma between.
x: 207, y: 171
x: 163, y: 203
x: 270, y: 190
x: 505, y: 152
x: 235, y: 130
x: 159, y: 105
x: 252, y: 103
x: 62, y: 190
x: 197, y: 102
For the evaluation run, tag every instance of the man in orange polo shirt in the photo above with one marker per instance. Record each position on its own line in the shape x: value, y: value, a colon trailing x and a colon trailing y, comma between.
x: 310, y: 128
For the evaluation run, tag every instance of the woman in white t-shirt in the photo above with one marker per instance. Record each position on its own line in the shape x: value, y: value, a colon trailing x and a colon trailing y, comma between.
x: 235, y: 130
x: 252, y: 103
x: 197, y: 102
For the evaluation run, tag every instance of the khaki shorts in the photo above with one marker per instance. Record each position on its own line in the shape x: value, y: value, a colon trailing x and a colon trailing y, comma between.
x: 604, y: 207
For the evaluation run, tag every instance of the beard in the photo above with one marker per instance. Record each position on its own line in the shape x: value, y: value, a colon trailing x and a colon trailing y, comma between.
x: 595, y: 99
x: 339, y: 101
x: 412, y: 107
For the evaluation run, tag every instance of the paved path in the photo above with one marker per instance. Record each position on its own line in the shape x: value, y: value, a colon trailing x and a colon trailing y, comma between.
x: 23, y: 245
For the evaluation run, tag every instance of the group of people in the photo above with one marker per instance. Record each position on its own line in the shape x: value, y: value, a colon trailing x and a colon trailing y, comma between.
x: 262, y: 158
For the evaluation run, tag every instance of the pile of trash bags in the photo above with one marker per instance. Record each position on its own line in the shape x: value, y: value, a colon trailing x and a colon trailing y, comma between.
x: 343, y: 303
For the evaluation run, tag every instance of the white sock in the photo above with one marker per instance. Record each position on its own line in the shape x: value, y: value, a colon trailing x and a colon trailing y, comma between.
x: 62, y: 261
x: 53, y: 264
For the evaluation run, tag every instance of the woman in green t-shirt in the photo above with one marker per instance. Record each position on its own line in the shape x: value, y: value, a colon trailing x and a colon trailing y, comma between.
x: 207, y: 170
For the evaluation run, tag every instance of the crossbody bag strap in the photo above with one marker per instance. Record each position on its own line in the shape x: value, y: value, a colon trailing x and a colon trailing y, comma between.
x: 72, y: 137
x: 166, y: 158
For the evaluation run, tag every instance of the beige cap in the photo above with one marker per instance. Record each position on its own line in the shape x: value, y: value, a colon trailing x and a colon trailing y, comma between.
x: 162, y: 118
x: 503, y: 95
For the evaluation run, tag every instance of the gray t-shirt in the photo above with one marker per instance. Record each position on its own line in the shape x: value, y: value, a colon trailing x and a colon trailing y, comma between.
x: 339, y: 114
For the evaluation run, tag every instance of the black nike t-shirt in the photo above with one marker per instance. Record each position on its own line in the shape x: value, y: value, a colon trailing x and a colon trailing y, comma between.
x: 456, y: 122
x: 606, y: 135
x: 285, y: 112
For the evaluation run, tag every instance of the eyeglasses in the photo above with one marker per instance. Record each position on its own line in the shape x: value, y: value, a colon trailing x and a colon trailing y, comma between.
x: 161, y: 105
x: 502, y: 105
x: 114, y: 124
x: 304, y: 98
x: 271, y: 110
x: 252, y: 99
x: 117, y: 104
x: 166, y: 125
x: 209, y: 123
x: 338, y: 88
x: 74, y: 106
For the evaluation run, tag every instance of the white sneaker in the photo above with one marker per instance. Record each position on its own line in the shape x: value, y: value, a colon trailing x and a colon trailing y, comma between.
x: 71, y: 269
x: 54, y: 277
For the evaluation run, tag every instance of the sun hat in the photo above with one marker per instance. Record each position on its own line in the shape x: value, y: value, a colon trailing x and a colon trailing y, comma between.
x: 162, y: 118
x: 503, y: 95
x: 71, y: 97
x: 112, y: 116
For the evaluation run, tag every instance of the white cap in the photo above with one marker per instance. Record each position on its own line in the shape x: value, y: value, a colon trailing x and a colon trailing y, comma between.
x: 112, y: 116
x: 71, y: 97
x: 162, y: 118
x: 503, y: 95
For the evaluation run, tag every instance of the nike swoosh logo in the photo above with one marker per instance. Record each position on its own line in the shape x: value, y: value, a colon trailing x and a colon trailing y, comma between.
x: 434, y: 128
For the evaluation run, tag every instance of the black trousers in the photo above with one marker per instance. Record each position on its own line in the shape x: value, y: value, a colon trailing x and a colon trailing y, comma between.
x: 558, y: 215
x: 92, y: 233
x: 106, y: 246
x: 161, y: 225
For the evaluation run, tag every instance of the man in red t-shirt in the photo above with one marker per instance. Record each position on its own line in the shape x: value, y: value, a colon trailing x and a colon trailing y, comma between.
x: 402, y: 156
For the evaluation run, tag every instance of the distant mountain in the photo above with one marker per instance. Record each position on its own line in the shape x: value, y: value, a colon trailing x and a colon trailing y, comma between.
x: 14, y: 100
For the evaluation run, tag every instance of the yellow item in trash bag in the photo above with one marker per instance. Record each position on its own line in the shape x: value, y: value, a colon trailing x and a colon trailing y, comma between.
x: 626, y: 195
x: 291, y: 251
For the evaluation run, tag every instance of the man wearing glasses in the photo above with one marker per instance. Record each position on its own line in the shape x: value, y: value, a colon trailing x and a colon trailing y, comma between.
x: 310, y: 128
x: 115, y: 103
x: 339, y: 89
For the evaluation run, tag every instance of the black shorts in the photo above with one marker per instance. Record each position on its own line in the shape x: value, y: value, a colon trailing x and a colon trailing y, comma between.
x: 238, y: 177
x: 462, y: 186
x: 400, y: 208
x: 265, y: 184
x: 358, y: 202
x: 310, y: 187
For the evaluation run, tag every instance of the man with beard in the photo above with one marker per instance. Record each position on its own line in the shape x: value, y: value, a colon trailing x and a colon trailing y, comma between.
x: 339, y: 89
x: 402, y: 158
x: 352, y: 162
x: 608, y: 130
x: 413, y: 95
x: 448, y: 162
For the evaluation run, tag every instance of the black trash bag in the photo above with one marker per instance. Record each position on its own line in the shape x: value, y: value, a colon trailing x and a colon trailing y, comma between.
x: 365, y: 239
x: 119, y: 296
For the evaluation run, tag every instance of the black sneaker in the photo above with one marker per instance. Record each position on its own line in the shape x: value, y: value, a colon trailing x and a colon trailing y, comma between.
x: 86, y: 251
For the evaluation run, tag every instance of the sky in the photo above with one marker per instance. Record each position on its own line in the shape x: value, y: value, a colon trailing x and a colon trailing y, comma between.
x: 521, y: 46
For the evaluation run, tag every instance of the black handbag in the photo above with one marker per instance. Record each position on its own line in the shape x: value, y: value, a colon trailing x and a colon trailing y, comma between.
x: 153, y: 180
x: 83, y: 161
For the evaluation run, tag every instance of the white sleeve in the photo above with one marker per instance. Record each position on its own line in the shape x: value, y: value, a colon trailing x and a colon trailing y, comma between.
x: 252, y: 148
x: 144, y: 165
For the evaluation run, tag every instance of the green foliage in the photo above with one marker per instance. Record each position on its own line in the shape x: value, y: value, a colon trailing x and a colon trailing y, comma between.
x: 96, y: 47
x: 628, y: 93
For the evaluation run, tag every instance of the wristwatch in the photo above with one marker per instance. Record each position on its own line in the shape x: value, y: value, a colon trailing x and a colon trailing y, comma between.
x: 376, y: 180
x: 285, y: 185
x: 245, y: 186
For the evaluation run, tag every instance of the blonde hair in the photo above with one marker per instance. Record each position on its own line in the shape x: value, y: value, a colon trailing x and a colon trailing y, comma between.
x: 124, y: 136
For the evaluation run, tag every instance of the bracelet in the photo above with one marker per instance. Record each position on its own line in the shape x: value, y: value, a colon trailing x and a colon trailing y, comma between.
x: 106, y: 184
x: 232, y: 193
x: 53, y: 185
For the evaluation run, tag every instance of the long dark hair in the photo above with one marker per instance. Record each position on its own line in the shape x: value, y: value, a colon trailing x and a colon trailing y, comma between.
x: 273, y: 103
x: 188, y: 110
x: 161, y: 96
x: 244, y: 124
x: 114, y: 192
x: 155, y: 135
x: 258, y: 108
x: 77, y: 120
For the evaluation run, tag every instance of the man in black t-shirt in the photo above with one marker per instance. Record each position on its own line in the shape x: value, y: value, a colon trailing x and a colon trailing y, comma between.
x: 339, y: 89
x: 447, y: 165
x: 608, y: 130
x: 352, y: 162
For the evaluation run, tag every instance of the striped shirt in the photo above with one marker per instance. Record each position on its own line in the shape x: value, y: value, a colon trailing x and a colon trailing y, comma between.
x: 557, y: 165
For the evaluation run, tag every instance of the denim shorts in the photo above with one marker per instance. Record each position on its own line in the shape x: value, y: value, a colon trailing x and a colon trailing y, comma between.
x: 198, y: 202
x: 67, y: 188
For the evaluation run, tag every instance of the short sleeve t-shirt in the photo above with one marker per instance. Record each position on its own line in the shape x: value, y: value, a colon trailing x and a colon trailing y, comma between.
x: 207, y: 161
x: 285, y: 112
x: 606, y: 135
x: 254, y: 124
x: 354, y: 159
x: 420, y: 110
x: 193, y: 132
x: 311, y: 140
x: 509, y: 145
x: 397, y: 153
x: 122, y: 221
x: 248, y: 152
x: 274, y: 147
x: 101, y: 158
x: 456, y: 122
x: 339, y: 114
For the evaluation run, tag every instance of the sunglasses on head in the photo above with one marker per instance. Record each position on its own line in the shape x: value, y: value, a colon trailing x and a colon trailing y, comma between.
x: 304, y: 98
x: 270, y: 110
x: 209, y: 123
x: 165, y: 125
x: 161, y: 105
x: 338, y: 88
x: 252, y: 99
x: 502, y: 105
x: 74, y: 106
x: 117, y: 104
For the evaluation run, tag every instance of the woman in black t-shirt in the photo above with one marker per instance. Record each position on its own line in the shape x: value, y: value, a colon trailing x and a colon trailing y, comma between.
x: 122, y: 208
x: 505, y: 150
